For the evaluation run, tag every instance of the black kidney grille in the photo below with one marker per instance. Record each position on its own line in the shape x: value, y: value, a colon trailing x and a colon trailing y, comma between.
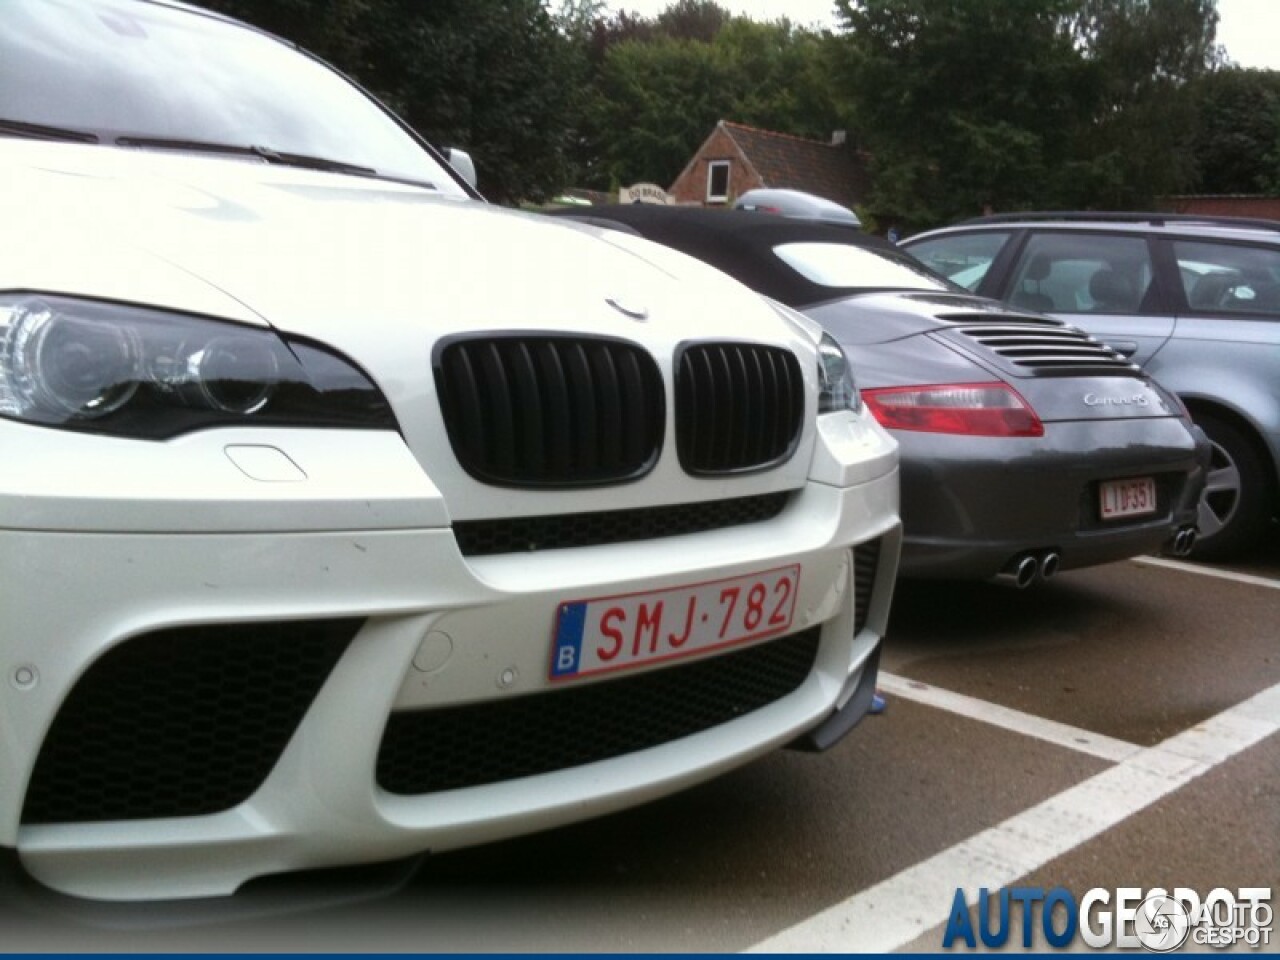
x: 432, y: 750
x: 866, y: 563
x: 181, y: 722
x: 523, y: 534
x: 548, y: 411
x: 739, y: 407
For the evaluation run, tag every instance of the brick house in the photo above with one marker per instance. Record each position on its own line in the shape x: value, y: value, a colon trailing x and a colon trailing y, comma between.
x: 1225, y: 205
x: 736, y: 158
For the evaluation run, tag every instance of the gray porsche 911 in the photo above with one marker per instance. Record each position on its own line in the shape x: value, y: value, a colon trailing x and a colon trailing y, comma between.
x: 1027, y: 446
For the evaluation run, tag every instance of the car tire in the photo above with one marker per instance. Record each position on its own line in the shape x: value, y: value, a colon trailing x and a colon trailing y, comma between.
x: 1233, y: 510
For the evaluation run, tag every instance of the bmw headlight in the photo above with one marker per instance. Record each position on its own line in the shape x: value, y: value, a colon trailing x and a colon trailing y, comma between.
x: 837, y: 391
x: 137, y: 372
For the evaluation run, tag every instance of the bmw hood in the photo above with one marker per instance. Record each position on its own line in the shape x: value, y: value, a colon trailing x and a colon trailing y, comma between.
x: 382, y: 273
x: 363, y: 265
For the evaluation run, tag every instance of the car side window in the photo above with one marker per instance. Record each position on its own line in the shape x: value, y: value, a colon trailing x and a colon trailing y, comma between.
x: 961, y: 258
x: 1082, y: 273
x: 1229, y: 278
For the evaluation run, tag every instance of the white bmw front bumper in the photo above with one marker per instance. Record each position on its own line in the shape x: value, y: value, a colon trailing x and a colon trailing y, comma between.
x: 200, y: 543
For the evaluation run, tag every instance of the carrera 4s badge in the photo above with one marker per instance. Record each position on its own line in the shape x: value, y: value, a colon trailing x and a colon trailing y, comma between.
x: 1137, y: 400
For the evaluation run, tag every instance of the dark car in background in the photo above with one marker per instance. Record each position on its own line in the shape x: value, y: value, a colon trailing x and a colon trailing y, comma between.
x: 1027, y: 446
x: 1194, y: 301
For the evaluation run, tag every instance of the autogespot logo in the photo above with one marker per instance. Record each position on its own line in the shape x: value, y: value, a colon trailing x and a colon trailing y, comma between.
x: 1158, y: 920
x: 1162, y: 923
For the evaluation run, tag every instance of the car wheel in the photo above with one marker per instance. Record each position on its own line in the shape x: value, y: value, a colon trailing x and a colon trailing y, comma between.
x: 1233, y: 508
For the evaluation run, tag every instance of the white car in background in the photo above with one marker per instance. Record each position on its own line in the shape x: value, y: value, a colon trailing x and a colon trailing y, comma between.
x: 344, y: 516
x: 798, y: 205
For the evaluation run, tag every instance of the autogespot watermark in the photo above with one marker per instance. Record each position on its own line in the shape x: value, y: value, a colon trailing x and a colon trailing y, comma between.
x: 1157, y: 920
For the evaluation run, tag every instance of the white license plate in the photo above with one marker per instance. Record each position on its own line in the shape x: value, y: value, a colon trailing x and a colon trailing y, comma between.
x: 605, y: 634
x: 1128, y: 498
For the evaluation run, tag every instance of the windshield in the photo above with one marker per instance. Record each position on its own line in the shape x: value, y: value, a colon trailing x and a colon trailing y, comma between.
x: 846, y: 266
x: 141, y: 71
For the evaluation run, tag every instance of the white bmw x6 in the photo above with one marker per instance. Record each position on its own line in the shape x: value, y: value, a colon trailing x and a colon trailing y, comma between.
x: 343, y: 516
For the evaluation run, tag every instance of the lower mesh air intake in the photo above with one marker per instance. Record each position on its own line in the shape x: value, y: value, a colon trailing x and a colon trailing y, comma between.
x: 181, y: 722
x: 431, y: 750
x: 866, y: 563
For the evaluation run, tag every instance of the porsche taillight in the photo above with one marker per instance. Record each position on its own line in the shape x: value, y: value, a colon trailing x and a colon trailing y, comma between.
x: 972, y: 409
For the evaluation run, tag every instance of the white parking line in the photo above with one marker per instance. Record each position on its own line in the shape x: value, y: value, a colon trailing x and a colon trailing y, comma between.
x: 1051, y: 731
x: 898, y: 910
x: 1209, y: 572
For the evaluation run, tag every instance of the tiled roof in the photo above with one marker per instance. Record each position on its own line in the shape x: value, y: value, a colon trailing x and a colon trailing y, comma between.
x: 829, y: 170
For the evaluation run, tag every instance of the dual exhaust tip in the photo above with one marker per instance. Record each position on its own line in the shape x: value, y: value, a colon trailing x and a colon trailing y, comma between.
x: 1028, y: 568
x: 1183, y: 542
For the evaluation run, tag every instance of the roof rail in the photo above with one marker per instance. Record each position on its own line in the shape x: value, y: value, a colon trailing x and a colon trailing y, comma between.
x: 1156, y: 219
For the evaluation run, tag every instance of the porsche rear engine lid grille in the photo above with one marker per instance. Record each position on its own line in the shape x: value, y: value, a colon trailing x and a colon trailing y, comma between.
x: 1040, y: 346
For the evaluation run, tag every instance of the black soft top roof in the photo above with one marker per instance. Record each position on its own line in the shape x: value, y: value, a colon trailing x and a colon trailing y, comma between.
x: 741, y: 242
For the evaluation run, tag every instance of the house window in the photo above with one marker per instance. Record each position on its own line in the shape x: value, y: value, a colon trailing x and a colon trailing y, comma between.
x: 717, y: 181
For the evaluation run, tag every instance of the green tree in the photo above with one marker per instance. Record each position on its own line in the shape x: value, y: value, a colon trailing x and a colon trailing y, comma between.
x: 968, y: 104
x: 1237, y: 131
x: 656, y: 99
x: 656, y: 102
x: 583, y: 24
x: 1142, y: 57
x: 780, y: 77
x: 700, y: 20
x: 962, y: 105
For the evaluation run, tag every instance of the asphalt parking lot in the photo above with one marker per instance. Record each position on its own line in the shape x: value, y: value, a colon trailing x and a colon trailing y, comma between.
x: 1116, y: 727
